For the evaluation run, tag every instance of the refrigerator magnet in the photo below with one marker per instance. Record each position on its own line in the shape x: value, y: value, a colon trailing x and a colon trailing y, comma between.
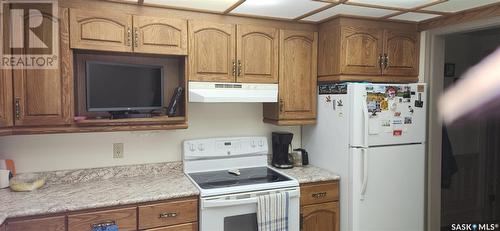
x: 397, y: 132
x: 408, y: 120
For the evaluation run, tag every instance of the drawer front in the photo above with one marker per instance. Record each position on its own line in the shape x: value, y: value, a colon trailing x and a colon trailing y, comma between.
x: 42, y: 224
x: 184, y: 227
x: 319, y: 193
x: 126, y: 219
x: 169, y: 213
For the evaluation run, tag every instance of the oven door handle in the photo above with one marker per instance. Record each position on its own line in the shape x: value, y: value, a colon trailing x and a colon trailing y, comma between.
x: 226, y: 203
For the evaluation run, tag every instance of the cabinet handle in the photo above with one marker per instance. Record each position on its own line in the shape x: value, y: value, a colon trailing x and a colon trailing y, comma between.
x: 17, y: 106
x: 168, y: 215
x: 281, y: 105
x: 386, y: 61
x: 239, y: 67
x: 380, y: 62
x: 129, y: 36
x: 103, y: 224
x: 301, y: 221
x: 319, y: 195
x: 234, y: 68
x: 136, y: 37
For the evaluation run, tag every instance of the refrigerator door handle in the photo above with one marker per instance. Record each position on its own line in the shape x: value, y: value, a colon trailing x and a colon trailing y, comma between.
x: 364, y: 108
x: 364, y: 181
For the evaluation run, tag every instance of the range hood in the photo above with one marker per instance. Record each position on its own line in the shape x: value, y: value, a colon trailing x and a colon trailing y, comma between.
x: 212, y: 92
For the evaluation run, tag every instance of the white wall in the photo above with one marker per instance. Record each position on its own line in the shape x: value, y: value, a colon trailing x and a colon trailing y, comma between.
x: 86, y: 150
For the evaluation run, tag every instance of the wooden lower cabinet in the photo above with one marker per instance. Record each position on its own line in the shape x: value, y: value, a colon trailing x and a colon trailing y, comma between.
x: 320, y: 217
x: 184, y: 227
x: 319, y: 206
x: 57, y: 223
x: 167, y: 214
x: 2, y: 227
x: 126, y: 219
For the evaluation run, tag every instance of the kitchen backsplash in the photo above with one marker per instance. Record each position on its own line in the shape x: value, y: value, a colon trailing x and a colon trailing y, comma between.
x: 36, y: 153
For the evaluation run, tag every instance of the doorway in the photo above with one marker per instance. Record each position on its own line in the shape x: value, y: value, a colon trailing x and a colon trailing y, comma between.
x: 470, y: 170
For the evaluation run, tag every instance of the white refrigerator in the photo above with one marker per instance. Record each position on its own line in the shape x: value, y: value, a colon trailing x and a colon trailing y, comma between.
x: 373, y: 136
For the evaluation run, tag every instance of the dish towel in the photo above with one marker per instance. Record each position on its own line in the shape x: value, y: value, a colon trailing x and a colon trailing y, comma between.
x: 272, y: 211
x: 111, y: 227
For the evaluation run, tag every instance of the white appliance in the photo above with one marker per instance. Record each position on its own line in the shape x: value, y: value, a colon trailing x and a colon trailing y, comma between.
x: 373, y: 136
x: 232, y: 92
x: 230, y: 174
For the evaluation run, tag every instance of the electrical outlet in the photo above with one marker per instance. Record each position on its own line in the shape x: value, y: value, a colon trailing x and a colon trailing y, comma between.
x: 118, y: 150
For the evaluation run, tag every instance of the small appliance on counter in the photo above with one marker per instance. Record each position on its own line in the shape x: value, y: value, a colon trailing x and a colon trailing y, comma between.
x: 300, y: 157
x: 282, y: 142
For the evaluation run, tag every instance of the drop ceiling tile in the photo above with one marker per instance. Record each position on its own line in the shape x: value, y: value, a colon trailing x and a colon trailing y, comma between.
x: 453, y: 6
x: 288, y: 9
x: 349, y: 10
x: 415, y: 17
x: 210, y: 5
x: 406, y: 4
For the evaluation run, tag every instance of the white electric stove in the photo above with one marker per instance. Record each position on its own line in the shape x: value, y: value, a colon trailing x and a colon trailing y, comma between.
x: 231, y: 173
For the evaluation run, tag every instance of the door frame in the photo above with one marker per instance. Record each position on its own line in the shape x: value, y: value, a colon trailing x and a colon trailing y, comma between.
x: 432, y: 72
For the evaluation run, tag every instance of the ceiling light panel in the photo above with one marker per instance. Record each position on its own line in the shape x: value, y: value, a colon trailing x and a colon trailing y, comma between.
x: 288, y: 9
x: 349, y: 10
x: 415, y: 17
x: 453, y: 6
x: 405, y: 4
x: 207, y: 5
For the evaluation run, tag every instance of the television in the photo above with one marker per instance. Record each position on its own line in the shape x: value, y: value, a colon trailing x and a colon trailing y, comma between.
x: 115, y: 87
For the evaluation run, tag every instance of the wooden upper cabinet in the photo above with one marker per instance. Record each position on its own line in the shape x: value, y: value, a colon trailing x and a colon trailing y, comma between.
x: 297, y: 78
x: 43, y: 96
x: 324, y: 217
x: 6, y: 98
x: 401, y: 51
x: 158, y: 35
x: 361, y: 50
x: 212, y: 52
x: 257, y: 54
x: 100, y: 30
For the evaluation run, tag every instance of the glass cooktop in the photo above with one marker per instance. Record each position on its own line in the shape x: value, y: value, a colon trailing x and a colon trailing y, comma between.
x: 248, y: 176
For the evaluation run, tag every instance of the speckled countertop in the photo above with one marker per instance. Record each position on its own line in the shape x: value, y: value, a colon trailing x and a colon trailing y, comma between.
x: 309, y: 174
x: 95, y: 188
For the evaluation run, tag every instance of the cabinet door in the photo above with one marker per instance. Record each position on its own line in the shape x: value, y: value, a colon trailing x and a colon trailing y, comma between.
x: 6, y: 98
x: 212, y: 52
x: 257, y: 52
x: 402, y: 50
x: 104, y: 31
x: 157, y: 35
x: 360, y: 51
x: 41, y: 224
x: 297, y: 77
x: 320, y: 217
x: 43, y: 96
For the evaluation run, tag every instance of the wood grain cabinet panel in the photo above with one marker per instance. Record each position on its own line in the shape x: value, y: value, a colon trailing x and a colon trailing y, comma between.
x: 166, y: 214
x: 158, y: 35
x: 297, y: 80
x: 100, y: 30
x: 6, y: 98
x: 361, y: 50
x: 126, y: 219
x: 212, y: 52
x: 257, y: 52
x: 319, y: 193
x: 320, y: 217
x: 401, y: 51
x: 43, y: 96
x: 41, y: 224
x: 184, y: 227
x: 2, y: 227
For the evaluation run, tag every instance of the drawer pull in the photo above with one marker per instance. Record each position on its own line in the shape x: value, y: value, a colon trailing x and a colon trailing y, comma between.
x: 319, y: 195
x: 103, y: 224
x: 168, y: 215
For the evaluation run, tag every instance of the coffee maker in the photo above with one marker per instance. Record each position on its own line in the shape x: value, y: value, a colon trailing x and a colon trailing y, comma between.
x: 281, y: 144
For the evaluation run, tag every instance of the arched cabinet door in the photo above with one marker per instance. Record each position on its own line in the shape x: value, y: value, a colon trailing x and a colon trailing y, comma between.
x: 361, y: 50
x: 324, y: 217
x: 212, y: 55
x: 100, y: 30
x: 160, y: 35
x: 257, y: 52
x: 401, y: 51
x: 298, y: 75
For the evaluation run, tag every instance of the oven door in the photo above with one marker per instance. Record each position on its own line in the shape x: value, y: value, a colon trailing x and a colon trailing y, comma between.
x: 238, y: 212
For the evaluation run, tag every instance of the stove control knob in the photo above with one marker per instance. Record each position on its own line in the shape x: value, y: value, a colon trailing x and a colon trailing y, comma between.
x: 261, y: 143
x: 253, y: 144
x: 201, y: 147
x: 191, y: 147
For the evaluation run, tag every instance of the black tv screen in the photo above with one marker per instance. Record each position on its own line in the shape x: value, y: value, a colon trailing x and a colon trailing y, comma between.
x: 123, y: 87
